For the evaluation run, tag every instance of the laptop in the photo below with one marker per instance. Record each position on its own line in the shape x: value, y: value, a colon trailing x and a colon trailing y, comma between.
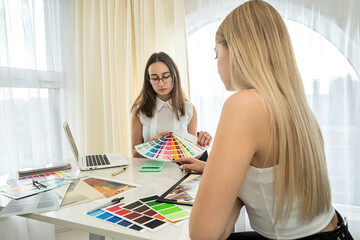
x: 94, y: 161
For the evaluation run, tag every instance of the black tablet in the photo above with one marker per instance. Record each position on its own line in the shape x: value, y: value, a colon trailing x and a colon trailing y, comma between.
x: 184, y: 191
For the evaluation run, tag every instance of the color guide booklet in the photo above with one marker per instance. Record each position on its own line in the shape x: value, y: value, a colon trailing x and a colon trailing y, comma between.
x: 184, y: 191
x: 52, y: 167
x: 179, y: 144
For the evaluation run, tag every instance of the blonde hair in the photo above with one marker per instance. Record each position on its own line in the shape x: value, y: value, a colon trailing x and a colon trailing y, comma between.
x: 261, y: 58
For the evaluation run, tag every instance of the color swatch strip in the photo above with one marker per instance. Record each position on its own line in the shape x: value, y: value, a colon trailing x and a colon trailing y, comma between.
x: 115, y: 219
x: 39, y: 177
x: 139, y: 214
x: 170, y: 211
x: 143, y: 214
x: 171, y: 145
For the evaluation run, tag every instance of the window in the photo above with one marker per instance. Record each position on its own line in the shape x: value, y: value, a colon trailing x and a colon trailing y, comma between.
x: 332, y: 88
x: 31, y: 70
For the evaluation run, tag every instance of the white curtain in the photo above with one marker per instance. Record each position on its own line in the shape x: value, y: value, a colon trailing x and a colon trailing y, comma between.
x: 114, y: 39
x: 35, y: 60
x: 326, y: 41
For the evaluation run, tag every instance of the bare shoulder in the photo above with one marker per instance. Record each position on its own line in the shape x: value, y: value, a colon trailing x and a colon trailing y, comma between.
x: 194, y: 109
x: 134, y: 111
x: 249, y: 101
x: 245, y: 95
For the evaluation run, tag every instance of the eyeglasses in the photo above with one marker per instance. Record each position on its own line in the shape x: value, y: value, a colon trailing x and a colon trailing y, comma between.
x: 165, y: 79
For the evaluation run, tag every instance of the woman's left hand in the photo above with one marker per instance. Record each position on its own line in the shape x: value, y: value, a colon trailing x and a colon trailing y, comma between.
x: 190, y: 165
x: 204, y: 139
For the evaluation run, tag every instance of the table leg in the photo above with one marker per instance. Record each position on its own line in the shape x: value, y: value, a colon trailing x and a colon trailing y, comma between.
x: 95, y: 237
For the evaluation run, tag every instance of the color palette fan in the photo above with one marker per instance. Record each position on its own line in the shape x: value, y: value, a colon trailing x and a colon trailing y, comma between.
x: 177, y: 145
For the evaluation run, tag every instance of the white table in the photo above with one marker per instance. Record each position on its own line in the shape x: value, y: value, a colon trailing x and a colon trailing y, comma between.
x: 151, y: 183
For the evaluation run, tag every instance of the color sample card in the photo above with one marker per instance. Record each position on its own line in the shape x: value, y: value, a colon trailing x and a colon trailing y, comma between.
x: 138, y: 213
x: 109, y: 188
x: 142, y: 214
x: 116, y: 219
x: 42, y: 202
x: 170, y: 211
x: 29, y: 189
x: 39, y: 177
x: 177, y: 145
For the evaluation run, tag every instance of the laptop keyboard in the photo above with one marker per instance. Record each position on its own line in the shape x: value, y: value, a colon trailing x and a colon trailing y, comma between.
x: 97, y: 160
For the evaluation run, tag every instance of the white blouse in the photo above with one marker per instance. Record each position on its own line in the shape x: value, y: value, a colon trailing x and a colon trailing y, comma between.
x: 258, y: 197
x: 164, y: 119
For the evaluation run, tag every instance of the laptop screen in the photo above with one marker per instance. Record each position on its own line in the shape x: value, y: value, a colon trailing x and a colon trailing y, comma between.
x: 71, y: 141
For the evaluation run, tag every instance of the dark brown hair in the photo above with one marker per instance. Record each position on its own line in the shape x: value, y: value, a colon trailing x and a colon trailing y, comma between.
x: 146, y: 101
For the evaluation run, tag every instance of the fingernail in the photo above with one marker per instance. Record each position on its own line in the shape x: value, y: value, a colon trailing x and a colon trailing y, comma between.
x: 181, y: 167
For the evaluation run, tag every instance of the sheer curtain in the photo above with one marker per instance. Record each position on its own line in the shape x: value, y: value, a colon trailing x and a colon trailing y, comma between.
x: 326, y: 40
x: 114, y: 39
x: 35, y: 43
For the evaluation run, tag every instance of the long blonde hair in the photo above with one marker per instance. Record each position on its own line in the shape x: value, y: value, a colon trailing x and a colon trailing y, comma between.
x: 261, y: 58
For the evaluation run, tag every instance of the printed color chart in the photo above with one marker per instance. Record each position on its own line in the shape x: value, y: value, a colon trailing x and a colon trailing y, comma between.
x: 142, y: 214
x: 170, y: 211
x: 39, y: 177
x: 177, y: 145
x: 115, y: 219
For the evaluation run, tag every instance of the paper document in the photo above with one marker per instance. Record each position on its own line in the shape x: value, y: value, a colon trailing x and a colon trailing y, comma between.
x: 42, y: 202
x: 82, y: 193
x: 109, y: 188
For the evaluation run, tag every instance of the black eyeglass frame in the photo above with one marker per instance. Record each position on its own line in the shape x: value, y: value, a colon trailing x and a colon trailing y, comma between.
x: 164, y: 79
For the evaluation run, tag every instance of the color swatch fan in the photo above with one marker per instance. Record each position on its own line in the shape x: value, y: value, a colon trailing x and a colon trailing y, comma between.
x: 177, y: 145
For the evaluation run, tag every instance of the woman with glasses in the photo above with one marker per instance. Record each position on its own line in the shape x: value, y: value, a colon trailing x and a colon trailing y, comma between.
x: 268, y: 153
x: 161, y: 106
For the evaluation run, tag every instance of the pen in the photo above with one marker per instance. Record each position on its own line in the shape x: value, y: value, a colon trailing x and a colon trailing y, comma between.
x: 38, y: 185
x: 114, y: 201
x: 185, y: 202
x: 171, y: 158
x: 118, y: 171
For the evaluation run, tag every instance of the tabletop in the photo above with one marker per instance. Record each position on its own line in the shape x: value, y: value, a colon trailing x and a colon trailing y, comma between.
x: 151, y: 183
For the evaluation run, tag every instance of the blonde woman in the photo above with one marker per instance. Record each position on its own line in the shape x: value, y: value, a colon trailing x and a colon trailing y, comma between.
x: 268, y: 151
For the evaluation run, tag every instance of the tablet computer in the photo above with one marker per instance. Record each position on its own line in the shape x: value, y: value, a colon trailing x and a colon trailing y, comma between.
x: 182, y: 192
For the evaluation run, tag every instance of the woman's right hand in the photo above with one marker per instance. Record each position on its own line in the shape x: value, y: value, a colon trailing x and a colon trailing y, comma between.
x: 190, y: 164
x: 204, y: 139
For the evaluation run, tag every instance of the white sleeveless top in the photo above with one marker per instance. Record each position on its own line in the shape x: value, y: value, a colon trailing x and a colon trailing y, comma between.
x: 257, y: 195
x: 164, y: 119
